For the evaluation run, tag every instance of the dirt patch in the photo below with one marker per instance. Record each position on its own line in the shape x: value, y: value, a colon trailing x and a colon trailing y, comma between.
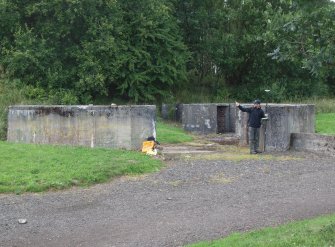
x: 199, y: 197
x: 213, y: 151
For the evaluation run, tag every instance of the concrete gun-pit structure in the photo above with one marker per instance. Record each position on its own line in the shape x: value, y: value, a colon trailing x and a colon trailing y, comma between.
x: 83, y: 125
x: 283, y: 120
x: 222, y: 118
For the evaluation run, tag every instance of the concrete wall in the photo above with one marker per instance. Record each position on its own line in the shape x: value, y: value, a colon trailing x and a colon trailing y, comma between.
x: 241, y: 125
x: 310, y: 142
x: 284, y: 119
x: 94, y: 126
x: 194, y: 114
x: 232, y: 117
x: 202, y: 118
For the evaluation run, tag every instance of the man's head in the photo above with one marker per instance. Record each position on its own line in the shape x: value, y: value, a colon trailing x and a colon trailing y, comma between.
x: 257, y: 103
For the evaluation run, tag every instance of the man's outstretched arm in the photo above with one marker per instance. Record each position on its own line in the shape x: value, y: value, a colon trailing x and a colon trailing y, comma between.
x: 242, y: 108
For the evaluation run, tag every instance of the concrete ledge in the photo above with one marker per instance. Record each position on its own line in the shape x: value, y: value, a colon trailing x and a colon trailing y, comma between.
x: 313, y: 143
x: 84, y: 125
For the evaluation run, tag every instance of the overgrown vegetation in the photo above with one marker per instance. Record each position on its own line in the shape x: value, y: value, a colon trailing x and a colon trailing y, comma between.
x: 71, y: 52
x: 36, y: 168
x: 313, y: 233
x: 323, y: 105
x: 68, y: 52
x: 9, y: 95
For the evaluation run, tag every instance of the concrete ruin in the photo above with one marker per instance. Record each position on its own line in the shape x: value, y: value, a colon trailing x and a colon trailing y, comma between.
x: 208, y: 118
x: 283, y: 120
x: 202, y: 118
x: 93, y: 126
x: 321, y: 144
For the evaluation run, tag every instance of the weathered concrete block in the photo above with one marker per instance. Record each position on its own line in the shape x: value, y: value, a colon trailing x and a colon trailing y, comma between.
x: 232, y: 117
x: 206, y: 118
x: 241, y: 125
x: 94, y: 126
x: 284, y: 119
x: 287, y: 119
x: 310, y: 142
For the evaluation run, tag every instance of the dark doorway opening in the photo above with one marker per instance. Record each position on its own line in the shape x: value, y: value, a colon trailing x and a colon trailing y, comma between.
x: 221, y: 119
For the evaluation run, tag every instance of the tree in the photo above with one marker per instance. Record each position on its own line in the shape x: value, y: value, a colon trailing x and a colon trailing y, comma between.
x: 71, y: 51
x: 156, y: 55
x: 246, y: 46
x: 304, y: 38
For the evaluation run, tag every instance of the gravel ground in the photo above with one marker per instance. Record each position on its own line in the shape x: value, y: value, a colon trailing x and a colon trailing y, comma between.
x: 188, y: 201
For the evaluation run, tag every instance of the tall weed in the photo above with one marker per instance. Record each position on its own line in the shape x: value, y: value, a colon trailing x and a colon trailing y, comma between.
x: 9, y: 95
x: 323, y: 105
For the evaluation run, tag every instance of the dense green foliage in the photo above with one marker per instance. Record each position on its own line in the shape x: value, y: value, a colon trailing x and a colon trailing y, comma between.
x: 304, y: 46
x: 75, y: 51
x: 44, y: 167
x: 313, y: 233
x: 241, y: 48
x: 72, y: 51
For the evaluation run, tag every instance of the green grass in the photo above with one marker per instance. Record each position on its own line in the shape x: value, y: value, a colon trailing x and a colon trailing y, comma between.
x: 325, y: 123
x: 36, y: 168
x: 171, y: 133
x: 312, y: 233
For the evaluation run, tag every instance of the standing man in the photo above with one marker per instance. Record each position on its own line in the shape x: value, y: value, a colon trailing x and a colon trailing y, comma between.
x: 254, y: 123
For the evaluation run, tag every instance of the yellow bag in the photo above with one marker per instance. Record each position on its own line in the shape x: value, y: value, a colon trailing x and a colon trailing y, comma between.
x: 148, y: 146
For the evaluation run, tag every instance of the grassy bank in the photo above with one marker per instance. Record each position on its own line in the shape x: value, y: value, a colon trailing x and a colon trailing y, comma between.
x: 312, y: 233
x: 35, y: 168
x: 171, y: 133
x: 325, y: 123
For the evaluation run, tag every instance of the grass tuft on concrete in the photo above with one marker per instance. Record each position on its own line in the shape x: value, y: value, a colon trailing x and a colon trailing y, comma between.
x: 37, y: 168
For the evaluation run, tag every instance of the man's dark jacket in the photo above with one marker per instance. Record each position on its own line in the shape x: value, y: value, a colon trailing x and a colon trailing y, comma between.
x: 255, y: 116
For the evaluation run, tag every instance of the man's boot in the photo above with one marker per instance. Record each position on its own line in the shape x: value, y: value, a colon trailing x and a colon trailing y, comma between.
x: 252, y: 147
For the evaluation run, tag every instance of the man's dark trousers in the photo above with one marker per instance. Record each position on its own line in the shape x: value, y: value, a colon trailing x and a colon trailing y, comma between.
x: 253, y: 139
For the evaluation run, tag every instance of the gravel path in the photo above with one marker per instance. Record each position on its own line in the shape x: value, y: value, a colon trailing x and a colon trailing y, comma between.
x: 188, y: 201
